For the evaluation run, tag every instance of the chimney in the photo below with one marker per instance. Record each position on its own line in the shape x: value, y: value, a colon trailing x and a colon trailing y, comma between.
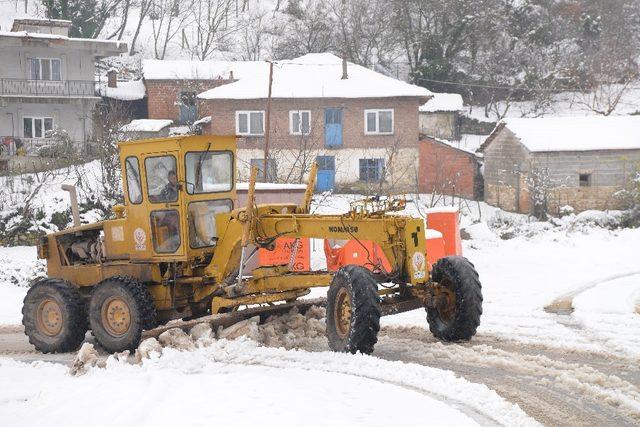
x: 344, y: 67
x: 112, y: 78
x: 231, y: 75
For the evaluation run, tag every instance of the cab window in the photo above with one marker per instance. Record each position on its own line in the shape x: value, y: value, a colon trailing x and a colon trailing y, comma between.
x: 165, y: 230
x: 162, y: 179
x: 209, y: 171
x: 134, y: 186
x: 202, y: 221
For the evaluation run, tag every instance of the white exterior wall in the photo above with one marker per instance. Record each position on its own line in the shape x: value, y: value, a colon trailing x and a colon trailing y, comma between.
x: 402, y: 169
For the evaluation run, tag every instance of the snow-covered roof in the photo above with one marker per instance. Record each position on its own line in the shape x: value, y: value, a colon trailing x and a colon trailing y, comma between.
x: 443, y: 102
x: 153, y: 69
x: 125, y: 91
x: 120, y: 46
x: 146, y: 125
x: 315, y: 75
x: 591, y: 133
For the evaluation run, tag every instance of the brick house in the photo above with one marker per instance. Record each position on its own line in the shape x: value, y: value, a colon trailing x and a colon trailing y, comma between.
x: 546, y: 163
x: 447, y: 169
x: 362, y: 130
x: 172, y: 86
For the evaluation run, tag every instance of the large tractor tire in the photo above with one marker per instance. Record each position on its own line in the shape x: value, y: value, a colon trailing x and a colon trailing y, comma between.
x: 353, y: 311
x: 120, y: 309
x: 457, y: 311
x: 54, y: 316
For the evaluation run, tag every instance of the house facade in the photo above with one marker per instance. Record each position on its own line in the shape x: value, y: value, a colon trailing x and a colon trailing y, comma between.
x: 440, y: 117
x: 362, y: 130
x: 47, y: 82
x: 548, y: 163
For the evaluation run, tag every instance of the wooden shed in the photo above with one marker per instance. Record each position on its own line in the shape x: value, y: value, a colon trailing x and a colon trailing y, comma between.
x: 539, y: 165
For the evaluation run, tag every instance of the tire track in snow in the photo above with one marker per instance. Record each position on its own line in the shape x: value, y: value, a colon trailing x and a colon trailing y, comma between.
x: 547, y: 387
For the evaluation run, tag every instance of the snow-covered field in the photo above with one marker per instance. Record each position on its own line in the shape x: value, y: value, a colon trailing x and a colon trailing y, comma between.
x: 245, y: 383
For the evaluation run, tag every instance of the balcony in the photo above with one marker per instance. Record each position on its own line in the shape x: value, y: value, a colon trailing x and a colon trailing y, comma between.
x: 48, y: 89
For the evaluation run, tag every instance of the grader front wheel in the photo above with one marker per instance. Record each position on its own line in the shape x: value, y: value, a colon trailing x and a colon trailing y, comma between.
x: 353, y: 311
x: 457, y: 307
x: 120, y: 309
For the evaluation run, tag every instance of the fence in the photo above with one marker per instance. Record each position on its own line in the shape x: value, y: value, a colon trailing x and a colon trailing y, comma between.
x: 47, y: 88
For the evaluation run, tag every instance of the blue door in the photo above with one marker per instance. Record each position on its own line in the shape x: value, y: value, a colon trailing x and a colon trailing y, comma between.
x: 188, y: 110
x: 333, y: 127
x: 326, y: 179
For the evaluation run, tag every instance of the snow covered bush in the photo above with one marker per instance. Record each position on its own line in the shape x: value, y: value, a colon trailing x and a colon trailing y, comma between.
x: 630, y: 197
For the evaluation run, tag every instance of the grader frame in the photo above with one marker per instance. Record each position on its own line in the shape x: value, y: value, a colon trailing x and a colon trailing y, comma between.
x: 183, y: 253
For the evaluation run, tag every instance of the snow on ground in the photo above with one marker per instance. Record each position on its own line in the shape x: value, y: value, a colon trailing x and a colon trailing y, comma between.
x: 244, y: 384
x: 18, y: 266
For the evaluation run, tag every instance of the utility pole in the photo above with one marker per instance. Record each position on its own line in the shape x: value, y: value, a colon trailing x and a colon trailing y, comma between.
x: 267, y: 126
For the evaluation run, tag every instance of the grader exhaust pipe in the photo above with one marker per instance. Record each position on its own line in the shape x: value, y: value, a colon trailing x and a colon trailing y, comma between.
x: 73, y: 196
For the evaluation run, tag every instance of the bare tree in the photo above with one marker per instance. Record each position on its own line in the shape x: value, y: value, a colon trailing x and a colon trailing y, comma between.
x: 168, y: 18
x: 210, y: 25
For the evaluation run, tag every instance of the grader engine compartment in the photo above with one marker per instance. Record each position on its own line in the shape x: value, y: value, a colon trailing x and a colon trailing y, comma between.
x: 181, y: 247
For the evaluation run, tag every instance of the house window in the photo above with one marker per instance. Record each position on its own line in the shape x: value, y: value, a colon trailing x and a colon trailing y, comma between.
x: 44, y: 69
x: 250, y: 123
x: 271, y: 169
x: 371, y: 169
x: 37, y: 127
x: 299, y: 122
x: 378, y: 122
x: 585, y: 180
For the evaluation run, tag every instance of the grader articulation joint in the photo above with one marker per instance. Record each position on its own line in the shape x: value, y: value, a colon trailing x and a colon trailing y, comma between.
x: 181, y: 248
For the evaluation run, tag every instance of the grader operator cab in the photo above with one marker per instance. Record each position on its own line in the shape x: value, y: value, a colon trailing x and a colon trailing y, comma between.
x: 179, y: 248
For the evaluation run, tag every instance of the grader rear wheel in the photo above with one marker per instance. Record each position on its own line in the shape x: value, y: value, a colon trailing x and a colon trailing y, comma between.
x: 120, y: 309
x: 53, y: 316
x: 353, y: 311
x: 457, y: 308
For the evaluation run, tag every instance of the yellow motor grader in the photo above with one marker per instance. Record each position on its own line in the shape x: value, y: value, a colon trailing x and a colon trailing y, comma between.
x: 179, y: 248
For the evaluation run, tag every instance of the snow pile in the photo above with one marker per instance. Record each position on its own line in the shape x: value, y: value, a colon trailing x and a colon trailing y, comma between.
x: 443, y: 102
x: 146, y: 125
x: 19, y: 265
x: 124, y: 91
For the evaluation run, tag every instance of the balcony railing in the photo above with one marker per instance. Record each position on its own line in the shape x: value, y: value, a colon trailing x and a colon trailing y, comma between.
x: 46, y: 88
x: 38, y: 147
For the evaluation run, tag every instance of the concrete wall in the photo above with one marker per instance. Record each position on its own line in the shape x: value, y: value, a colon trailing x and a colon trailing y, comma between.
x: 401, y: 167
x: 510, y: 173
x: 447, y: 170
x: 76, y: 64
x: 442, y: 125
x: 74, y: 116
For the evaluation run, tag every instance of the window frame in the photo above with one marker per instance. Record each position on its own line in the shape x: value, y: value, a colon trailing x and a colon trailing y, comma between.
x: 377, y: 112
x: 43, y: 131
x: 146, y: 179
x: 589, y: 180
x: 299, y: 131
x: 154, y: 240
x: 378, y: 168
x: 270, y: 161
x: 39, y: 71
x: 233, y: 171
x: 189, y: 223
x: 127, y: 178
x: 248, y: 114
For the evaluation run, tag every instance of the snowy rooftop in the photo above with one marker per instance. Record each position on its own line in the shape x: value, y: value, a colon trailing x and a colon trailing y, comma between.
x: 153, y: 69
x: 573, y: 133
x: 146, y: 125
x: 443, y: 102
x: 315, y: 75
x: 125, y: 91
x: 120, y: 46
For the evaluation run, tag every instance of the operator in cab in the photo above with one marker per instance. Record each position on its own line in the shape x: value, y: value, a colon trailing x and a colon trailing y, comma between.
x: 170, y: 191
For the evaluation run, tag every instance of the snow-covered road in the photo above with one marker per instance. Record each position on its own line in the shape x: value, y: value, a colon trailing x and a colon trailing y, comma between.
x: 580, y: 368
